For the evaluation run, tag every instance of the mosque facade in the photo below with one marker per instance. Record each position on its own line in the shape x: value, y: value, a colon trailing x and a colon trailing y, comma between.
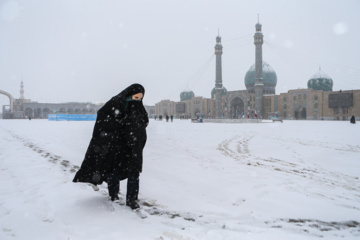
x: 316, y: 102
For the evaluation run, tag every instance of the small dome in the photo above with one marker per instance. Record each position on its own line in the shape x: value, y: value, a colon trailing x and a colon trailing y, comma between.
x: 320, y: 81
x: 224, y: 92
x: 187, y: 94
x: 269, y: 76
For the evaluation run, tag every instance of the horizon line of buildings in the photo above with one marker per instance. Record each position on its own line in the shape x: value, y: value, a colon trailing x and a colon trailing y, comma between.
x: 316, y: 102
x: 259, y: 100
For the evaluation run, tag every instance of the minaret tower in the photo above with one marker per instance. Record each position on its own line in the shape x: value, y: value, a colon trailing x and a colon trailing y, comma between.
x: 218, y: 78
x: 22, y: 89
x: 259, y: 81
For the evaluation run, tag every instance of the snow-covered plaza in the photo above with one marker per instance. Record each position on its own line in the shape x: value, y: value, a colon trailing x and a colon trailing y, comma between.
x: 290, y: 180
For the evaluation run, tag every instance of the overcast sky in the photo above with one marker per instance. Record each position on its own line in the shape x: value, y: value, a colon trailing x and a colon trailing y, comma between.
x: 90, y: 50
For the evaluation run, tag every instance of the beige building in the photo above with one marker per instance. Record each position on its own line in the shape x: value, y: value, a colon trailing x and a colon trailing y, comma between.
x: 259, y: 100
x: 164, y: 107
x: 299, y: 104
x: 313, y: 104
x: 191, y: 108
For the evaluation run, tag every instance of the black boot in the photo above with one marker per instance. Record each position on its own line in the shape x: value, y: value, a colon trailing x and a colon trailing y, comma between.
x: 132, y: 204
x: 113, y: 187
x: 114, y: 198
x: 132, y: 192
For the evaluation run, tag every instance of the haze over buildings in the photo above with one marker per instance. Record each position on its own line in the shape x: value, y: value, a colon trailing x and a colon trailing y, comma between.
x: 88, y: 51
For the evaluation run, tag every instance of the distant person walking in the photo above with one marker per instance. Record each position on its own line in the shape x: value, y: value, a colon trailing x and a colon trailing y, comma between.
x: 171, y: 117
x: 167, y: 118
x: 115, y: 151
x: 352, y: 119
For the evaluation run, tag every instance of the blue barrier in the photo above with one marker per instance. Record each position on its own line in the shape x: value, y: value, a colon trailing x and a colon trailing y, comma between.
x: 72, y: 117
x: 52, y: 117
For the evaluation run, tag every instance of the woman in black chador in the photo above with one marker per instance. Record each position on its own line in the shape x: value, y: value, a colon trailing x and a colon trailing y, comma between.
x: 116, y: 148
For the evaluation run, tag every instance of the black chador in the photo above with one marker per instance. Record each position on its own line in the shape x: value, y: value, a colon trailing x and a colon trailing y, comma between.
x: 116, y: 147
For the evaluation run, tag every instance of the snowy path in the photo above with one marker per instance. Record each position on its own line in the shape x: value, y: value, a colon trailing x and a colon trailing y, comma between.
x: 200, y: 181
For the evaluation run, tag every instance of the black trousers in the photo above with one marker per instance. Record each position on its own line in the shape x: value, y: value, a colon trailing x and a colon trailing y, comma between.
x: 132, y: 192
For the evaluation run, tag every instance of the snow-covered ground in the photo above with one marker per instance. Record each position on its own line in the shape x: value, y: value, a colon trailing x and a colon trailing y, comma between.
x: 291, y: 180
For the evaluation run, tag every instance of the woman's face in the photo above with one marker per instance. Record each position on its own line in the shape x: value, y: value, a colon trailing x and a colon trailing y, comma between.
x: 137, y: 96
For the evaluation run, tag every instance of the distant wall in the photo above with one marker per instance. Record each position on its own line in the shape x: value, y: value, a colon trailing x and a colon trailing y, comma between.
x: 72, y: 117
x: 245, y: 120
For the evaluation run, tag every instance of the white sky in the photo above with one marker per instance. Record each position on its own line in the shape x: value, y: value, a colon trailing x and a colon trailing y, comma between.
x: 90, y: 50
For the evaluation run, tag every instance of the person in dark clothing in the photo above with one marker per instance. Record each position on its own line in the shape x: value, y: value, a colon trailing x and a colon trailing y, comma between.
x: 115, y: 151
x: 171, y: 117
x: 167, y: 118
x: 352, y: 119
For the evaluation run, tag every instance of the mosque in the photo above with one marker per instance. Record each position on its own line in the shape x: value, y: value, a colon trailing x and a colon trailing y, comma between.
x: 259, y: 100
x: 316, y: 102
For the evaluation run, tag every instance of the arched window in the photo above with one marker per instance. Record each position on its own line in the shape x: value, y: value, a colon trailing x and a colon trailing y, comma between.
x: 62, y: 111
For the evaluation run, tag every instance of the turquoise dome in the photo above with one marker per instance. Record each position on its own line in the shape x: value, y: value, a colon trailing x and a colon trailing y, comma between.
x: 269, y: 76
x: 223, y: 89
x: 320, y: 81
x: 187, y: 94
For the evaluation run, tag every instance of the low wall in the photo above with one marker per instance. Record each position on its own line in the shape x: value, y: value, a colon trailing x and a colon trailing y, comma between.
x: 232, y: 121
x: 72, y: 117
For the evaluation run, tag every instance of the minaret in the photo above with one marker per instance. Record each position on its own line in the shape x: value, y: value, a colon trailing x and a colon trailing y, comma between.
x: 259, y: 81
x: 22, y: 90
x: 218, y: 79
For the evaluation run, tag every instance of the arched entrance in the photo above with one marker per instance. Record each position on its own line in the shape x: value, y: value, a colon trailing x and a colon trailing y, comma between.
x: 62, y: 111
x: 29, y: 112
x: 37, y: 113
x: 46, y: 112
x: 300, y: 114
x: 10, y: 98
x: 236, y: 108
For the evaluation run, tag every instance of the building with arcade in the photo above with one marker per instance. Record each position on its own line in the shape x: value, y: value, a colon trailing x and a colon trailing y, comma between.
x: 259, y: 100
